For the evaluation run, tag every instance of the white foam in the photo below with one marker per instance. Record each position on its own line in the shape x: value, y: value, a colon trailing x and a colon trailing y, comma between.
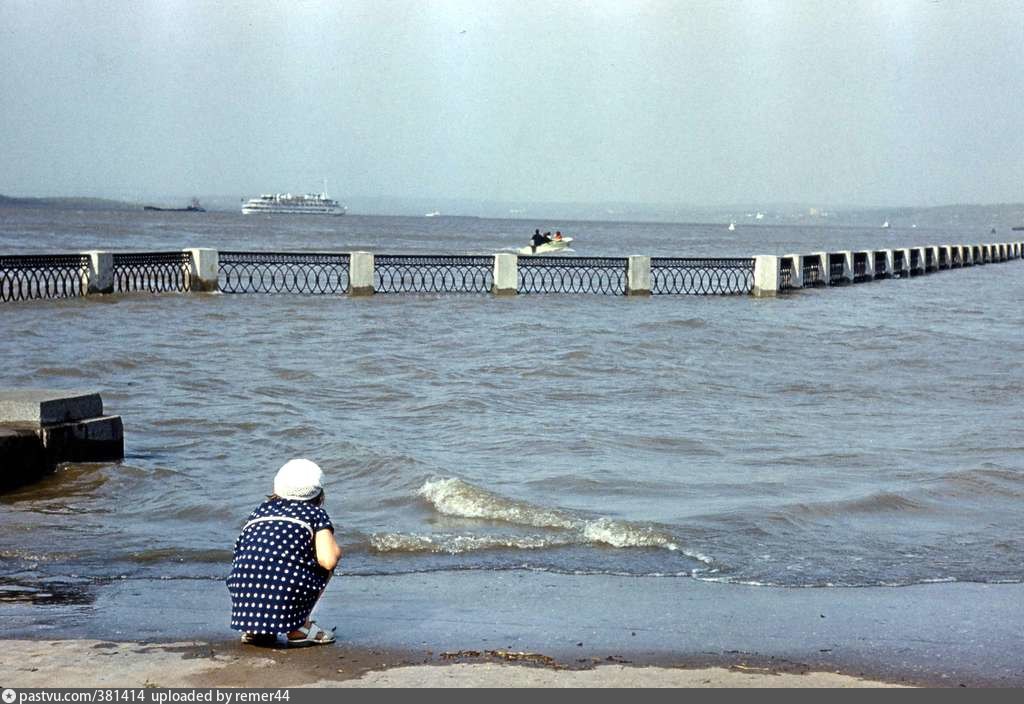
x: 454, y: 497
x: 457, y: 544
x: 620, y: 534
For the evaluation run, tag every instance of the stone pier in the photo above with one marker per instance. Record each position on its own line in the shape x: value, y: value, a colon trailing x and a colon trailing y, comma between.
x: 638, y: 276
x: 41, y: 428
x: 506, y: 275
x: 360, y: 274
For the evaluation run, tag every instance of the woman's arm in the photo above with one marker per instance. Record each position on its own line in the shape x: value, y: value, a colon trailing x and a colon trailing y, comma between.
x: 327, y: 551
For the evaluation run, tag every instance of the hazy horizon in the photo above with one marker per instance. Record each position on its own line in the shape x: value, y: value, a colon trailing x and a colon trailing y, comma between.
x: 682, y: 104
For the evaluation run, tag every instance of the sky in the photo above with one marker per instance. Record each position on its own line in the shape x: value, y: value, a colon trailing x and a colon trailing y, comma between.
x: 898, y: 102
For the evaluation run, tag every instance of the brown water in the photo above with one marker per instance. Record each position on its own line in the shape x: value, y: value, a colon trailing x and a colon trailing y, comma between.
x: 857, y: 436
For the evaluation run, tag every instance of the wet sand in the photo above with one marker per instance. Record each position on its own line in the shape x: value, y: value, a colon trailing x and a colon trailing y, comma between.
x: 468, y: 627
x: 90, y: 663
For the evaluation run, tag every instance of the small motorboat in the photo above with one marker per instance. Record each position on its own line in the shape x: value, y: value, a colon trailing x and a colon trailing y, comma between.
x: 552, y: 247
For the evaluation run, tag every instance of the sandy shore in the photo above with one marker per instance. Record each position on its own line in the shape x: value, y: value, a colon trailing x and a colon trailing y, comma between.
x: 590, y: 630
x: 93, y: 663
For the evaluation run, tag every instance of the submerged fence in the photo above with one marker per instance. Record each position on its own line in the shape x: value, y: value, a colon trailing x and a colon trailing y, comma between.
x: 154, y: 272
x: 358, y: 273
x: 406, y: 273
x: 604, y: 275
x: 701, y: 277
x: 27, y: 277
x: 269, y: 272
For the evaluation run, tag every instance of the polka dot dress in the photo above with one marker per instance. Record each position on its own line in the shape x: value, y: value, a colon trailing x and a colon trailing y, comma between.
x: 275, y: 579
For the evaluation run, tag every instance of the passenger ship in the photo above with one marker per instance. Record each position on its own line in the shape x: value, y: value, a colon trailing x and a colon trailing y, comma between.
x: 288, y: 204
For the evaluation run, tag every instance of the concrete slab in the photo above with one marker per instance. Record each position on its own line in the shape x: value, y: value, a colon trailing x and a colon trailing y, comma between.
x: 92, y: 440
x: 48, y: 406
x: 22, y: 455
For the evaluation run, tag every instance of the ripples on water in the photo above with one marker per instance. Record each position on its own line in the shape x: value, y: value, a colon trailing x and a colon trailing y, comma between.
x: 870, y: 435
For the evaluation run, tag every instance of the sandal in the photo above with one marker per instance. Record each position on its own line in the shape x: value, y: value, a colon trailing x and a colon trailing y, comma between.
x: 312, y: 634
x: 262, y: 639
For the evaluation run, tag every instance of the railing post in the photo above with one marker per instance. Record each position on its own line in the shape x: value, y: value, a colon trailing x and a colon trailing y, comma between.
x: 847, y: 266
x: 905, y: 270
x: 823, y: 262
x: 638, y: 276
x: 767, y: 276
x: 506, y: 274
x: 869, y: 264
x: 360, y: 274
x: 796, y: 272
x: 101, y: 272
x: 204, y: 271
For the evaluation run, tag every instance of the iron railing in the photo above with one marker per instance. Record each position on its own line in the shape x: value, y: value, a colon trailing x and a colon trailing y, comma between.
x: 786, y: 273
x: 156, y: 272
x: 860, y: 266
x: 701, y: 277
x: 882, y: 266
x: 836, y: 268
x: 898, y: 263
x: 956, y: 259
x: 403, y: 273
x: 929, y: 260
x: 276, y: 272
x: 26, y: 277
x: 606, y: 275
x: 812, y: 270
x: 916, y: 266
x: 943, y: 258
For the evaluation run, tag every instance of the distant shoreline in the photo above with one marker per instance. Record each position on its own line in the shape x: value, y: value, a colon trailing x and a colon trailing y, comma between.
x: 986, y: 216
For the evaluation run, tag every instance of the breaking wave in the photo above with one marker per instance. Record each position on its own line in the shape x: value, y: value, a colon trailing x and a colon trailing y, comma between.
x: 456, y: 498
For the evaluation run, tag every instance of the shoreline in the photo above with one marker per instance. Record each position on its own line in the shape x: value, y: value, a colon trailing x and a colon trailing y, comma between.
x: 94, y: 663
x: 944, y: 634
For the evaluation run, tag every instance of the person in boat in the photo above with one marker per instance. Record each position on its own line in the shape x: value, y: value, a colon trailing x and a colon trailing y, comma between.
x: 538, y: 239
x: 558, y: 236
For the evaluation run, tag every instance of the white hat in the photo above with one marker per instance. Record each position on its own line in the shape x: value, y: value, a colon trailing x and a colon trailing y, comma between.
x: 299, y: 480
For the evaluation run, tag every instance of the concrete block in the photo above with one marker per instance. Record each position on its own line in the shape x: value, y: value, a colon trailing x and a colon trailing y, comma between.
x: 205, y: 270
x: 22, y: 459
x: 92, y: 440
x: 506, y: 274
x: 360, y: 274
x: 638, y: 276
x: 767, y: 280
x: 47, y: 407
x: 101, y: 271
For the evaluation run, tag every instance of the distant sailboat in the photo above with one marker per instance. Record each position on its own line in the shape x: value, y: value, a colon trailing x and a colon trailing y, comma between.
x: 431, y: 214
x: 759, y: 216
x: 732, y: 227
x: 885, y: 225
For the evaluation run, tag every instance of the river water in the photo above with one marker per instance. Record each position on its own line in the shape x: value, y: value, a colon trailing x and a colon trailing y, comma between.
x: 868, y: 435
